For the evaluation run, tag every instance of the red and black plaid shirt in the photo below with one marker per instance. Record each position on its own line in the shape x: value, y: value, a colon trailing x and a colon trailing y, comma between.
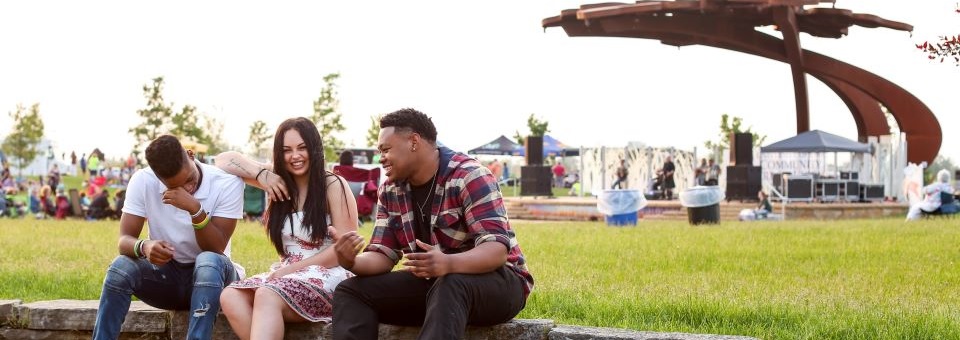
x: 467, y: 210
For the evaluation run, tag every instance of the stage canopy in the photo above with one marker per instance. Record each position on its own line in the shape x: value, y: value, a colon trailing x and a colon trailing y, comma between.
x: 507, y: 147
x: 501, y: 146
x: 817, y: 141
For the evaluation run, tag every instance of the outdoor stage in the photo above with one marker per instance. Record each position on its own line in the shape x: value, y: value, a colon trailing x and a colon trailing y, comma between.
x: 585, y: 209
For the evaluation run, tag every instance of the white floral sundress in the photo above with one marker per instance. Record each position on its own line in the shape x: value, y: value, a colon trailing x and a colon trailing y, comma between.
x: 308, y: 291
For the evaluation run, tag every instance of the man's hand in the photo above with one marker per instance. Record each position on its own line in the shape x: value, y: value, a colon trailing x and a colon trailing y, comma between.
x: 346, y: 247
x: 433, y: 263
x: 158, y: 252
x: 180, y: 198
x: 274, y: 186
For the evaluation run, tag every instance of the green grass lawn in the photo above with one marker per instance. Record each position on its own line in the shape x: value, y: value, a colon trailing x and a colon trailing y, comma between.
x: 863, y: 279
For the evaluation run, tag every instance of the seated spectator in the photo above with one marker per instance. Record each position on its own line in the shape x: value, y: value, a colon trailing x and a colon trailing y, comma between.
x: 763, y: 209
x: 84, y: 203
x: 46, y: 203
x: 100, y: 206
x: 118, y: 199
x: 62, y: 205
x: 931, y: 202
x: 8, y: 184
x: 3, y: 205
x: 346, y: 158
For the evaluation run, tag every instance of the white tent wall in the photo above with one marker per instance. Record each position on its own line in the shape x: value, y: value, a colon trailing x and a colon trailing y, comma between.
x: 600, y: 165
x: 42, y: 163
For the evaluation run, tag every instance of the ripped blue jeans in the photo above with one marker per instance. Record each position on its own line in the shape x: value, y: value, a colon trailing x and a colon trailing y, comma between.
x: 173, y: 286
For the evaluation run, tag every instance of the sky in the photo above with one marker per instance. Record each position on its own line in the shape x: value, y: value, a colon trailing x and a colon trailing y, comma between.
x: 479, y: 69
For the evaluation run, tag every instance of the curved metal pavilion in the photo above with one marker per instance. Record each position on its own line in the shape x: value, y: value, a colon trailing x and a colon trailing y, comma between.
x: 731, y: 24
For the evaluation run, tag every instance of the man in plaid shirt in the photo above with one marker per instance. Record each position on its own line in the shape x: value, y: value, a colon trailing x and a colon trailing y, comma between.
x: 441, y: 213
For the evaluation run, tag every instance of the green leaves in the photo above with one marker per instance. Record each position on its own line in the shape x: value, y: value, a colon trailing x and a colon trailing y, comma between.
x: 259, y: 135
x: 327, y: 116
x: 21, y: 143
x: 373, y: 132
x: 729, y: 126
x: 537, y: 128
x: 159, y: 118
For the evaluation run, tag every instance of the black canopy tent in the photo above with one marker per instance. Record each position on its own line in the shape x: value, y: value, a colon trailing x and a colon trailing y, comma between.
x: 501, y: 146
x: 816, y: 141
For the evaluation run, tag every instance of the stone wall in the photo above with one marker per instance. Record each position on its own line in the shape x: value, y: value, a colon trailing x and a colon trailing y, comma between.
x: 74, y: 319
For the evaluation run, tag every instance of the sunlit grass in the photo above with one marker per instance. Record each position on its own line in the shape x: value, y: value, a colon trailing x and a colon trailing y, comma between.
x: 789, y: 280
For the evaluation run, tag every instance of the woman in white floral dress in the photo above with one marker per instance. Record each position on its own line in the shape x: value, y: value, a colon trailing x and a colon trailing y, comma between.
x: 304, y: 200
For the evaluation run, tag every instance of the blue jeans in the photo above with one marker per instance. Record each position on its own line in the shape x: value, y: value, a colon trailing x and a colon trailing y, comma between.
x: 172, y: 286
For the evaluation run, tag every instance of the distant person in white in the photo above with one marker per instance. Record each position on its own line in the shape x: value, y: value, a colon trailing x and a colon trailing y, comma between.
x: 931, y: 201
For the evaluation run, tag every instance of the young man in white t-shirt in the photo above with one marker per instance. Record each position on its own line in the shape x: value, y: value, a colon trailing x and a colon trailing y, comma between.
x: 192, y: 210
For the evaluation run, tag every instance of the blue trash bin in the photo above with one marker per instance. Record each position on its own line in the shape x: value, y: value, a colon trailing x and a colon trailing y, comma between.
x: 620, y: 206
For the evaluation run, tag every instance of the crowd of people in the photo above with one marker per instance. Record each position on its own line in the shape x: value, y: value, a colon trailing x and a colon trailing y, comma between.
x: 49, y: 196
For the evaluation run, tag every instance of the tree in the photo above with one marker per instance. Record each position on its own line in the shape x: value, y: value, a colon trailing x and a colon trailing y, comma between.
x: 537, y: 128
x: 947, y: 46
x: 727, y: 127
x: 327, y: 116
x: 373, y: 133
x: 186, y: 123
x: 159, y: 118
x: 213, y: 137
x: 21, y: 143
x: 156, y: 116
x: 259, y: 134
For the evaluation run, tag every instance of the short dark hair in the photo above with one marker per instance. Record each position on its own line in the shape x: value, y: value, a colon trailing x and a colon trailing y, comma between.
x: 410, y: 120
x: 346, y: 158
x: 165, y: 156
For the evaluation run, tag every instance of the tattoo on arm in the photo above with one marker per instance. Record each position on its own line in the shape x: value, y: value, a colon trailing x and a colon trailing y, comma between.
x: 236, y: 164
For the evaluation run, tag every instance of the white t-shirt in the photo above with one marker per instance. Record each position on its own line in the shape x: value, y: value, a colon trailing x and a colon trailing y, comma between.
x: 220, y: 194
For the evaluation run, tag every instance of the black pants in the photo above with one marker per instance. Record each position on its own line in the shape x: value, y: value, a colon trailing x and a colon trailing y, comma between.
x: 443, y: 306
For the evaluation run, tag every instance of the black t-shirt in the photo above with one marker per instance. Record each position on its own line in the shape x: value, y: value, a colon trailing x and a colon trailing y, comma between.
x: 421, y: 224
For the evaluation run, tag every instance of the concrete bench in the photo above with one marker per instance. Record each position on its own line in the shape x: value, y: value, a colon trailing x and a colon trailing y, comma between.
x: 74, y: 319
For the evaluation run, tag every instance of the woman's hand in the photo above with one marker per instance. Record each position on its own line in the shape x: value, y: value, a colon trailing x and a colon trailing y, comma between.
x: 276, y: 274
x: 273, y: 185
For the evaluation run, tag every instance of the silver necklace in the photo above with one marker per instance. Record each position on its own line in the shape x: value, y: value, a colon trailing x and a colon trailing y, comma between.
x: 426, y: 201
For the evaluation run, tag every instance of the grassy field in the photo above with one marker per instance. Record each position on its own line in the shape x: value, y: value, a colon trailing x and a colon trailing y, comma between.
x: 864, y: 279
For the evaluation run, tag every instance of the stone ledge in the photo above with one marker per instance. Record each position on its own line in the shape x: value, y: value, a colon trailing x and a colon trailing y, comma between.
x: 80, y: 315
x: 74, y: 319
x: 563, y: 332
x: 533, y: 329
x: 8, y: 309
